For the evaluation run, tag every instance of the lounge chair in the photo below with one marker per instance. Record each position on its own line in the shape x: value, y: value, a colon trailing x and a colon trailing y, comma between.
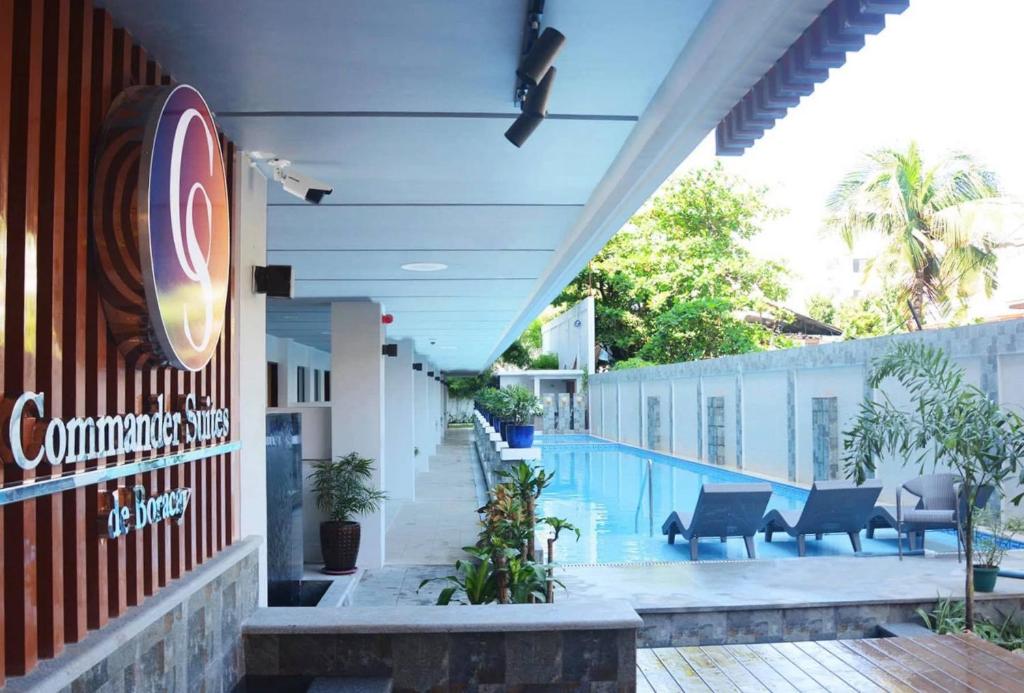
x: 832, y: 507
x: 723, y: 510
x: 940, y: 505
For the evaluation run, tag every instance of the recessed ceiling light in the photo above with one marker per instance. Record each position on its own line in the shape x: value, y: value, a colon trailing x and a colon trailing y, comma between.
x: 424, y: 266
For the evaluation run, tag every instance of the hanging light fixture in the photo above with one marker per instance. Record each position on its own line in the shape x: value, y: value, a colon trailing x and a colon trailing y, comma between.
x: 534, y: 75
x: 541, y: 56
x: 534, y: 110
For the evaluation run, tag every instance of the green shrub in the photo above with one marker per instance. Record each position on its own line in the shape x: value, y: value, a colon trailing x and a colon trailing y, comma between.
x: 545, y: 362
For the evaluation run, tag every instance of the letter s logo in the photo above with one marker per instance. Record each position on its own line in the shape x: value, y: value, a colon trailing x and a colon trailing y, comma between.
x: 192, y: 259
x: 161, y: 227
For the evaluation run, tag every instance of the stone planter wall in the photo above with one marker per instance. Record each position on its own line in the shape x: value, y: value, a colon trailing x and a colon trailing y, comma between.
x: 185, y: 638
x: 491, y: 647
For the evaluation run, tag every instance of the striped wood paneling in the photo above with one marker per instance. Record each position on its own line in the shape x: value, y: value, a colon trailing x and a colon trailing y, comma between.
x: 62, y: 62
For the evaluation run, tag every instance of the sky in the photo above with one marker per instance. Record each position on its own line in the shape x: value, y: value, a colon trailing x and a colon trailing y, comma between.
x: 946, y: 73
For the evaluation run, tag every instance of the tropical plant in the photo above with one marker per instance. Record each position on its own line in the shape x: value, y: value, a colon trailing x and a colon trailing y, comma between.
x: 949, y: 424
x: 559, y: 525
x: 936, y: 220
x: 501, y: 566
x: 521, y: 404
x: 991, y: 547
x: 342, y: 487
x: 684, y: 254
x: 948, y: 618
x: 475, y: 581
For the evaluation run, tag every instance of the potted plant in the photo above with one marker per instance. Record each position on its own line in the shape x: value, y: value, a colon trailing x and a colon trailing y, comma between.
x: 949, y: 424
x: 501, y: 408
x: 990, y: 548
x: 343, y: 491
x: 523, y: 406
x: 487, y: 400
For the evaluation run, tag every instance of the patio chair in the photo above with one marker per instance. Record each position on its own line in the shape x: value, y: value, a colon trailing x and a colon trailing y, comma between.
x: 723, y: 510
x: 940, y: 505
x: 832, y: 507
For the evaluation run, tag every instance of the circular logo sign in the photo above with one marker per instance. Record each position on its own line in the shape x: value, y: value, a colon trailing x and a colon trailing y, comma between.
x: 161, y: 226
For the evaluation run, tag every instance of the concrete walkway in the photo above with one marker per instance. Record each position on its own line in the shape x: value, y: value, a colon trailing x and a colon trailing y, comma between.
x: 432, y: 529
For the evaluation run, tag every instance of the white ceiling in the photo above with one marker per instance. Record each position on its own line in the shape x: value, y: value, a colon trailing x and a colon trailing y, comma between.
x: 402, y: 106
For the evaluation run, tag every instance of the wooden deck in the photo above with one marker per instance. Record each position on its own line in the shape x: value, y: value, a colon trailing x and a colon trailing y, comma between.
x: 932, y: 663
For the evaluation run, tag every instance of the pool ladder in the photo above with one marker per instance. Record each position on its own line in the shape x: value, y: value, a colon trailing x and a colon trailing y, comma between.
x: 650, y: 501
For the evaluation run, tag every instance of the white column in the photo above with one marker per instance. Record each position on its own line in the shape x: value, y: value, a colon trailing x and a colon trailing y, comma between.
x: 421, y: 412
x: 400, y: 424
x: 357, y: 405
x: 249, y: 248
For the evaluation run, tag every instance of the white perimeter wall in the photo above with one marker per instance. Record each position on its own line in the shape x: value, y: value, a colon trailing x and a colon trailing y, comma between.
x: 574, y: 345
x: 768, y: 397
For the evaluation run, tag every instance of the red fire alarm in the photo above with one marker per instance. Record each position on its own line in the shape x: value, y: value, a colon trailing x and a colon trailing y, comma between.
x: 387, y: 318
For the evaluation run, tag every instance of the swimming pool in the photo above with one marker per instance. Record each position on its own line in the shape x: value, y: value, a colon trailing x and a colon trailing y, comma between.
x: 598, y: 486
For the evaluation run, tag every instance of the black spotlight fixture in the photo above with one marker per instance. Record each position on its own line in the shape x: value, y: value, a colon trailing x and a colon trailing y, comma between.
x: 534, y: 75
x: 541, y: 56
x: 534, y: 110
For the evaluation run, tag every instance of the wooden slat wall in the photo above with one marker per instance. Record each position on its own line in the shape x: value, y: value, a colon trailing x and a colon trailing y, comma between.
x: 62, y: 63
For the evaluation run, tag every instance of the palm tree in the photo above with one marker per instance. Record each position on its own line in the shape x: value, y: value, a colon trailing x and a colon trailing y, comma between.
x: 940, y: 222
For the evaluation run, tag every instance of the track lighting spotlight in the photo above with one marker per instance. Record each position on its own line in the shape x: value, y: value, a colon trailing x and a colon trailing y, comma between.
x: 534, y: 110
x: 542, y: 54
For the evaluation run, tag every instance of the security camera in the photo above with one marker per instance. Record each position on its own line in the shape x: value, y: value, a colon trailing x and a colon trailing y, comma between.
x: 299, y: 184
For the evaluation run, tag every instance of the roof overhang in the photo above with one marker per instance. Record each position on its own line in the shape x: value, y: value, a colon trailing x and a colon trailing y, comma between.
x: 402, y: 108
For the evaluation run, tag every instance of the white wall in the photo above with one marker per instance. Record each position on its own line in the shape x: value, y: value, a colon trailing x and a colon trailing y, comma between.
x: 629, y: 413
x: 289, y: 355
x: 249, y: 248
x: 765, y: 416
x: 771, y: 430
x: 573, y: 344
x: 684, y: 419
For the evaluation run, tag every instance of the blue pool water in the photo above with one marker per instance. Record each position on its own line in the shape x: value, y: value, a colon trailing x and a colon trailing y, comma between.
x: 598, y: 484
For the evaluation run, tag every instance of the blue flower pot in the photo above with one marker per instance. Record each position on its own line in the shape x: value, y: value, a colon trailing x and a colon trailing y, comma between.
x: 520, y: 436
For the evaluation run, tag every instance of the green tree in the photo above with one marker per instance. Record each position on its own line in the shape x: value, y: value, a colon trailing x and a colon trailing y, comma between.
x: 948, y: 425
x: 936, y: 220
x: 862, y: 316
x: 516, y: 355
x: 684, y: 253
x: 522, y: 352
x: 702, y: 328
x: 822, y: 308
x: 469, y: 386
